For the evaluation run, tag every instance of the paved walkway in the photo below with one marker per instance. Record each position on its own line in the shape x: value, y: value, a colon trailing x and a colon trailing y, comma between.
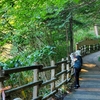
x: 89, y: 80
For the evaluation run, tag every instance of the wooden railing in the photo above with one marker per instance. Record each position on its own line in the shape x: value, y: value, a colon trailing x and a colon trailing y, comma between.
x: 65, y: 75
x: 88, y: 46
x: 57, y: 78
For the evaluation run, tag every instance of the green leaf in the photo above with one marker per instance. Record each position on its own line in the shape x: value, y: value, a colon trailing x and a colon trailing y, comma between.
x: 76, y: 1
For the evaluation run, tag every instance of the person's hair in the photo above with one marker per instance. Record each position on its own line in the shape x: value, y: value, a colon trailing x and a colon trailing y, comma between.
x: 78, y: 52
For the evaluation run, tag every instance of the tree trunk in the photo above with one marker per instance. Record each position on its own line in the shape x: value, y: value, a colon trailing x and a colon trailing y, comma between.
x: 71, y: 33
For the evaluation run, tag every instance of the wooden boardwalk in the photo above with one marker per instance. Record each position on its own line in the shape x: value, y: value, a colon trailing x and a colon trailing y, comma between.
x: 89, y: 80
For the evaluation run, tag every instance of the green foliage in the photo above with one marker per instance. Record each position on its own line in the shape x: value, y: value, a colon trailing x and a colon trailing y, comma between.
x: 35, y: 30
x: 44, y: 53
x: 87, y: 34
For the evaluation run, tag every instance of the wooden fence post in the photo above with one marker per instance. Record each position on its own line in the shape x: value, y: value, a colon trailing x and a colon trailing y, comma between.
x: 62, y: 69
x: 36, y: 77
x: 67, y: 67
x: 52, y: 76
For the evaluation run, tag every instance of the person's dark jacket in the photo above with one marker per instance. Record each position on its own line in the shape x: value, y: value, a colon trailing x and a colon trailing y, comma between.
x: 78, y: 63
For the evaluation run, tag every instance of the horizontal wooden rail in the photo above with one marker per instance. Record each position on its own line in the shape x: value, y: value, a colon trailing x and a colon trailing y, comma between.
x: 60, y: 62
x: 87, y: 42
x: 65, y: 81
x: 48, y: 68
x: 24, y: 87
x: 60, y: 73
x: 88, y: 46
x: 48, y: 82
x: 15, y: 70
x: 49, y: 95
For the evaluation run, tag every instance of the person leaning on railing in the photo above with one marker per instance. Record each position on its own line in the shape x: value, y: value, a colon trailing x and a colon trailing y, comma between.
x: 77, y: 59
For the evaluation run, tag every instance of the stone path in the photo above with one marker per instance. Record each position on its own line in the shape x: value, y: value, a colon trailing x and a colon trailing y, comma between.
x: 89, y: 80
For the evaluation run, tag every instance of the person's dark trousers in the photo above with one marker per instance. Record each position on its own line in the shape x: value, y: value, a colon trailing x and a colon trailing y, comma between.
x: 77, y: 71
